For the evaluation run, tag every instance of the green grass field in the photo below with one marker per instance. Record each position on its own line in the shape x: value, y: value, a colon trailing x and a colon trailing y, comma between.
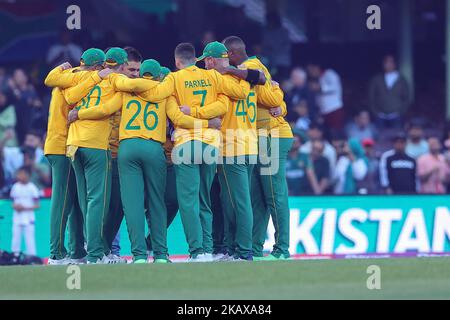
x: 325, y: 279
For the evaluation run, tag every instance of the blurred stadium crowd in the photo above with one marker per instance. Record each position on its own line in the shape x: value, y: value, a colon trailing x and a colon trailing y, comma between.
x: 339, y: 148
x: 374, y: 151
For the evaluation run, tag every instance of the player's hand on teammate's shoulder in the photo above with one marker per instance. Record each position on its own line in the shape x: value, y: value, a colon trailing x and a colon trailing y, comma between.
x: 65, y: 66
x: 276, y: 112
x: 104, y: 73
x: 215, y: 123
x: 72, y: 117
x: 186, y: 110
x: 275, y: 84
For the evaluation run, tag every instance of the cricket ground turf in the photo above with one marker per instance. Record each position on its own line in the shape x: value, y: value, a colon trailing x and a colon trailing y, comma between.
x: 410, y: 278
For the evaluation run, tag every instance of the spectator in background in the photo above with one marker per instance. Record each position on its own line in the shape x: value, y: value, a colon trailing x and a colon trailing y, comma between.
x: 25, y: 196
x: 447, y: 158
x: 371, y: 183
x: 304, y: 119
x: 397, y: 169
x: 23, y: 96
x: 40, y: 173
x: 433, y: 169
x: 361, y: 128
x: 351, y: 168
x: 389, y: 95
x: 321, y: 167
x: 13, y: 157
x: 416, y: 144
x: 277, y: 46
x: 315, y: 133
x: 327, y: 87
x: 446, y: 144
x: 299, y: 171
x: 64, y: 51
x: 297, y: 91
x: 338, y: 141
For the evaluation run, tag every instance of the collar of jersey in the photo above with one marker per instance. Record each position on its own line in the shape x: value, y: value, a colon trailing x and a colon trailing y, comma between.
x: 190, y: 66
x: 250, y: 58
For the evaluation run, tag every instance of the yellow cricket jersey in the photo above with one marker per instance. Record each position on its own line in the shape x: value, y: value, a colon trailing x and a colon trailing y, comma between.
x: 114, y: 121
x: 65, y: 92
x: 268, y: 97
x: 141, y: 118
x: 196, y: 87
x: 96, y: 134
x: 121, y: 83
x: 239, y: 131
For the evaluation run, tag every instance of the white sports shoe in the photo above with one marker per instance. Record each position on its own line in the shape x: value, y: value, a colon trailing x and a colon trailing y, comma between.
x: 193, y: 260
x: 204, y: 257
x: 109, y: 259
x: 218, y: 256
x: 59, y: 262
x: 117, y: 258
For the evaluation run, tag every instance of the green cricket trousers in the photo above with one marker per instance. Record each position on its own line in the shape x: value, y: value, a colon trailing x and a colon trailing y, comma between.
x: 195, y: 166
x: 115, y: 212
x: 171, y: 201
x: 142, y: 171
x: 93, y: 176
x: 235, y: 181
x: 270, y: 196
x: 64, y: 208
x: 218, y: 223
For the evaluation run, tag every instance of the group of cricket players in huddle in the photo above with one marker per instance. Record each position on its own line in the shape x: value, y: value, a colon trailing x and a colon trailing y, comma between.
x: 128, y: 138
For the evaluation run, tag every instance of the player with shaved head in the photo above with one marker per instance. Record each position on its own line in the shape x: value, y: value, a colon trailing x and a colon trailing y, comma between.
x: 269, y: 186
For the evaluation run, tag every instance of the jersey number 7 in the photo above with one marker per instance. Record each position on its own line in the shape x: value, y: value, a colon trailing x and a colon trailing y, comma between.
x: 203, y: 94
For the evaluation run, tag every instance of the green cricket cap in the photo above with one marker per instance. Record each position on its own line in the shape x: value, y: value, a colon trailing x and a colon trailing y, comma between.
x: 150, y: 66
x: 92, y: 57
x: 164, y: 72
x: 214, y: 50
x: 116, y: 56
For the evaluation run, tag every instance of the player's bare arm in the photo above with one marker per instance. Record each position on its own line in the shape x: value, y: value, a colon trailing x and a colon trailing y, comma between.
x: 254, y: 77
